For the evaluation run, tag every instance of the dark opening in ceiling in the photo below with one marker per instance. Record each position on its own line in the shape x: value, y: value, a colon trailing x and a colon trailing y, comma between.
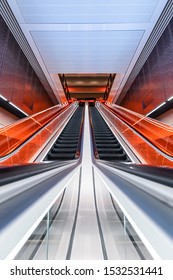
x: 87, y: 86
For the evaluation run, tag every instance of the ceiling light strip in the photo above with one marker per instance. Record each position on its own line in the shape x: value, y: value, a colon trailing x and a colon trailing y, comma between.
x: 156, y: 108
x: 12, y: 104
x: 18, y: 109
x: 170, y: 98
x: 3, y: 97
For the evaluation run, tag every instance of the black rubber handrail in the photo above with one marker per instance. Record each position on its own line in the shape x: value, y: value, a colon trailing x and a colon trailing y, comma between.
x: 162, y: 175
x: 11, y: 174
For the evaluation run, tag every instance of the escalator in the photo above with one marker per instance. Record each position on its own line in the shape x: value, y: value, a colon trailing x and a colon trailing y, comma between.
x: 123, y: 211
x: 66, y: 145
x: 107, y: 145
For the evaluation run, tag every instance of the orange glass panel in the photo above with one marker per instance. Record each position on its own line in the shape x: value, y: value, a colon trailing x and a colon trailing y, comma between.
x: 28, y: 152
x: 12, y: 136
x: 158, y: 134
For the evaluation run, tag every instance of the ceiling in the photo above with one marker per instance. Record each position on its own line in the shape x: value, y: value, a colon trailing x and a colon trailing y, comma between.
x: 87, y: 86
x: 86, y: 37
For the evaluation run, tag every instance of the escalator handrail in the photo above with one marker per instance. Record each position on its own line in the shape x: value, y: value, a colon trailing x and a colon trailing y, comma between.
x: 25, y: 204
x: 10, y: 174
x: 146, y: 205
x: 162, y: 175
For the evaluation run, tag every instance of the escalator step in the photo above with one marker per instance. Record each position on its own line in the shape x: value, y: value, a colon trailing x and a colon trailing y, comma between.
x: 101, y: 133
x: 108, y: 146
x: 105, y: 138
x: 105, y: 145
x: 71, y: 131
x: 66, y: 141
x: 107, y: 142
x: 113, y: 156
x: 63, y: 150
x: 67, y: 133
x: 108, y: 150
x: 61, y: 156
x: 68, y: 137
x: 102, y: 126
x: 65, y: 145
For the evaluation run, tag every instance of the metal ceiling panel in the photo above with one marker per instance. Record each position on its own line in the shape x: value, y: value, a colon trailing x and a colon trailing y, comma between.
x: 87, y: 11
x: 88, y: 36
x: 87, y: 50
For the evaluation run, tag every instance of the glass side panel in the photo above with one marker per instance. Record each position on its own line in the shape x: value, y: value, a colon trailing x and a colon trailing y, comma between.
x: 159, y: 134
x: 40, y: 240
x: 31, y: 148
x: 149, y: 130
x: 12, y: 136
x: 44, y: 242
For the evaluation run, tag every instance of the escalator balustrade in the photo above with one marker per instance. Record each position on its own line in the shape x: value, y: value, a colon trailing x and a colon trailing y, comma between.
x: 108, y: 147
x: 65, y: 147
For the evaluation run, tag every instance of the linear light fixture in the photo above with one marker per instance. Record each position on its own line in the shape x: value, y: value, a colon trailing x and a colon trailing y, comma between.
x: 3, y: 97
x: 18, y: 108
x: 9, y: 102
x: 156, y: 108
x: 170, y: 98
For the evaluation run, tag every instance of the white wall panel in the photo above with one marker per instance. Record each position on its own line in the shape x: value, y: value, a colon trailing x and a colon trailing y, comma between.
x: 6, y: 118
x: 166, y: 117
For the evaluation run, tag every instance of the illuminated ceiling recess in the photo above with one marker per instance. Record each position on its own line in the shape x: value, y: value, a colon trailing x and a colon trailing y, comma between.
x: 89, y: 36
x: 87, y: 86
